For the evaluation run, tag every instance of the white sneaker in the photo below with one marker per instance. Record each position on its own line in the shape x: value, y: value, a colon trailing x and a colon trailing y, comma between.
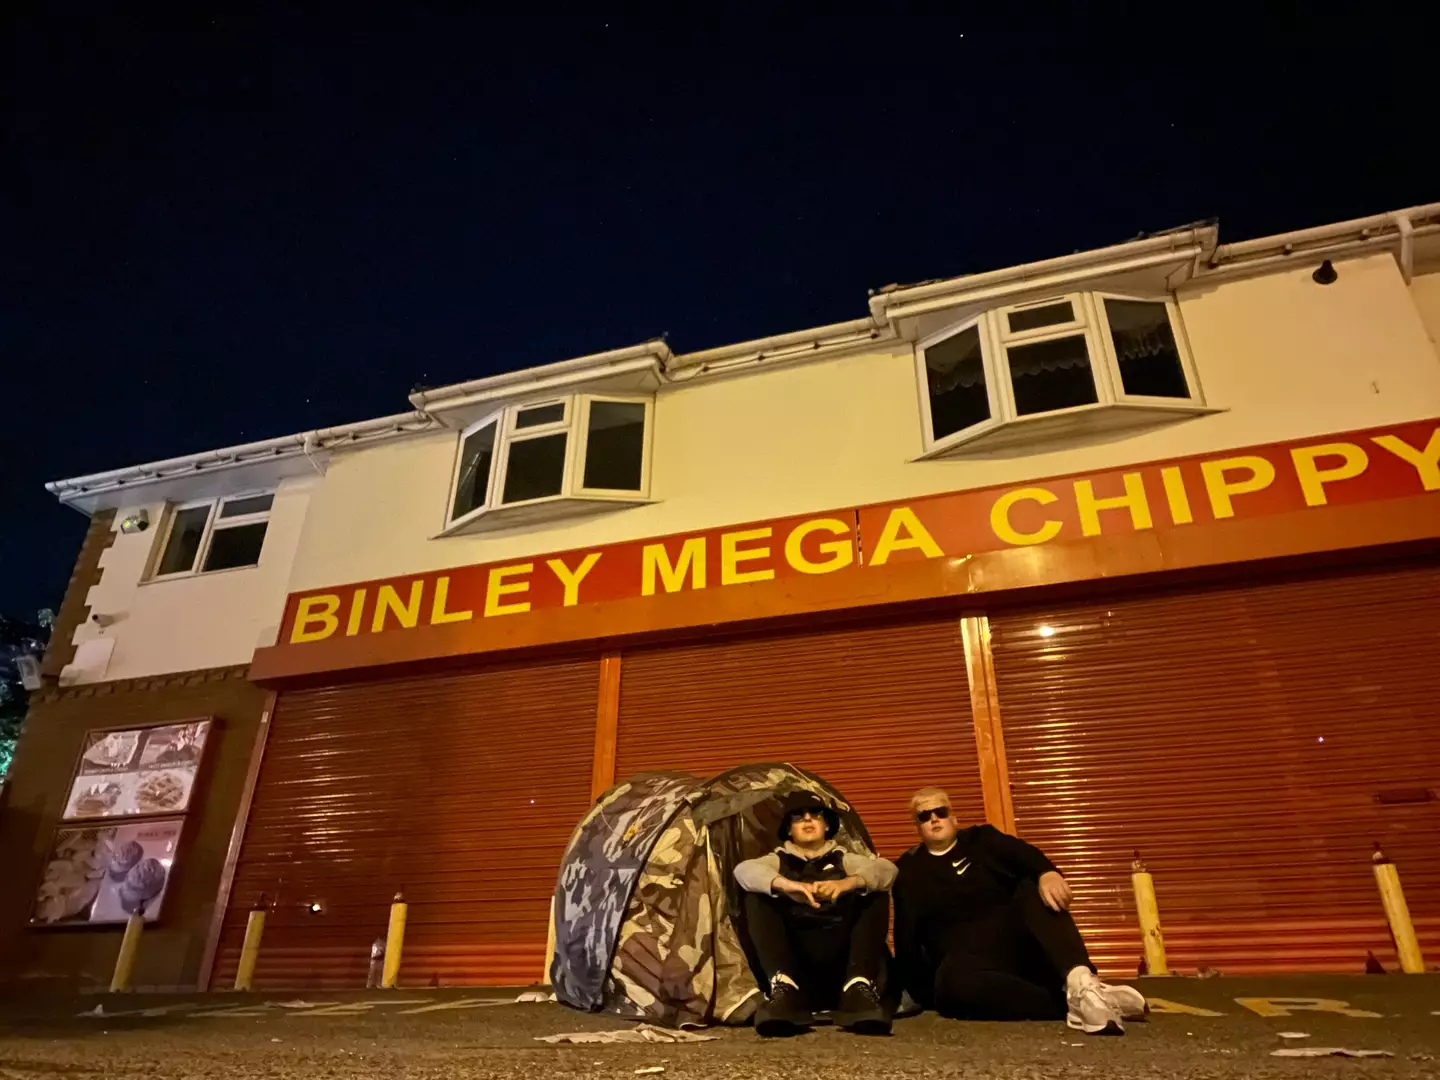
x: 1090, y: 1010
x: 1126, y: 1000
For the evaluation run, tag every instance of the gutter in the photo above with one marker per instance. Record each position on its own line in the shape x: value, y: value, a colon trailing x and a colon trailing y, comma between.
x: 548, y: 376
x: 1399, y: 228
x: 891, y: 303
x: 307, y: 443
x: 798, y: 344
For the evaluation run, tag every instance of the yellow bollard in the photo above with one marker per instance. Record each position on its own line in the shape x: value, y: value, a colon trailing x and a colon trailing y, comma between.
x: 394, y: 942
x: 250, y: 949
x: 1149, y: 912
x: 1407, y: 945
x: 129, y: 946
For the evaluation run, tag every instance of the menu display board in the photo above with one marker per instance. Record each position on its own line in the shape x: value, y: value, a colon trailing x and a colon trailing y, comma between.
x: 138, y: 771
x: 106, y: 873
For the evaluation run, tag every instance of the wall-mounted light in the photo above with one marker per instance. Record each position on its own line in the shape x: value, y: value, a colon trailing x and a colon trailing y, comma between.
x: 1325, y: 274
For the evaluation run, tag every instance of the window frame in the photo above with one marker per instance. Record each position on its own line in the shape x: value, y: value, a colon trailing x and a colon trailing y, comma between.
x: 508, y: 435
x: 575, y: 427
x: 207, y: 535
x: 583, y: 446
x: 1091, y: 323
x: 922, y: 372
x: 1083, y: 327
x: 1182, y: 347
x: 470, y: 429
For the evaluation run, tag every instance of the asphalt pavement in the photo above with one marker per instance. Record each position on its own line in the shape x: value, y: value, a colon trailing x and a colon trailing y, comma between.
x: 1215, y: 1029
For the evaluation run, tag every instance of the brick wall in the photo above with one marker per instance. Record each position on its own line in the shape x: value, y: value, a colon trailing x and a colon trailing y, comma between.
x: 53, y: 737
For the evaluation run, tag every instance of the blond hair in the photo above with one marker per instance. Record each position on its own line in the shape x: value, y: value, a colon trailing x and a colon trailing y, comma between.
x: 929, y: 793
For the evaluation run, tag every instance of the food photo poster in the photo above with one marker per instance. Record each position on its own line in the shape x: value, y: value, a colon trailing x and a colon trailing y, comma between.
x: 138, y: 771
x: 106, y: 873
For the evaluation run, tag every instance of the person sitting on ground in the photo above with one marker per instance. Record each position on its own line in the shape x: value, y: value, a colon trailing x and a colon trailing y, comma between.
x: 983, y: 930
x: 817, y: 917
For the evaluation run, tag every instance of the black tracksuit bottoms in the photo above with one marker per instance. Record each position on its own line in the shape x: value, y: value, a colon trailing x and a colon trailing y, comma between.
x: 821, y: 956
x: 1029, y: 982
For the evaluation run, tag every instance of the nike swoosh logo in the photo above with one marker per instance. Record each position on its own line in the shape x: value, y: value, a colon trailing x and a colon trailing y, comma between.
x: 961, y: 867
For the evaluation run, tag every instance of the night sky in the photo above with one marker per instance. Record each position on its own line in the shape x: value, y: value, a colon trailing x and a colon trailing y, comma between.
x: 227, y: 228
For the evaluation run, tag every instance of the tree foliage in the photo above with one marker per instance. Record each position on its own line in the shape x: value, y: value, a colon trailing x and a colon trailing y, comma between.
x: 16, y: 639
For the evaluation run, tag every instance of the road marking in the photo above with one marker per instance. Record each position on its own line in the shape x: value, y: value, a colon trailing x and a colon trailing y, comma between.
x: 359, y: 1008
x: 1288, y: 1006
x: 1166, y: 1007
x: 461, y: 1003
x: 237, y: 1010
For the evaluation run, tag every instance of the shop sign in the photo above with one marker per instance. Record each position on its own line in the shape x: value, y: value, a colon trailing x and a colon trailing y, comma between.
x: 1201, y: 492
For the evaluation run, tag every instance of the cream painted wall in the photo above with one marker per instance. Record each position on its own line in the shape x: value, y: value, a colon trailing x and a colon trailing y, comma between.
x: 1284, y: 357
x: 186, y: 624
x: 1425, y: 289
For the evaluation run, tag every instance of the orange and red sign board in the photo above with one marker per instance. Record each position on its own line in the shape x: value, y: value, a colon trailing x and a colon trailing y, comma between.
x: 1172, y: 513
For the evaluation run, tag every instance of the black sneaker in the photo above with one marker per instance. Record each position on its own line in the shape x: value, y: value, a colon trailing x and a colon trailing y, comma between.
x: 784, y: 1014
x: 860, y: 1011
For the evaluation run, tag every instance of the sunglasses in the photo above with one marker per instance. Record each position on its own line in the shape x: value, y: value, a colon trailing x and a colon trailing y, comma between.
x: 922, y: 816
x: 802, y: 815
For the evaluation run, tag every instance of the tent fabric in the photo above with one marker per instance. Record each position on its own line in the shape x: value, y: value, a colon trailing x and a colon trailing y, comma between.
x: 606, y: 853
x: 647, y: 911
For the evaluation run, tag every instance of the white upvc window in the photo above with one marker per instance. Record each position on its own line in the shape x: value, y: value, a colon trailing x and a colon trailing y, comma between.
x: 207, y: 535
x: 1098, y: 358
x: 546, y: 458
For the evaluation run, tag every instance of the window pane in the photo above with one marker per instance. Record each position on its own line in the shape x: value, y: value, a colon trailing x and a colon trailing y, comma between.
x: 1145, y: 346
x: 250, y: 504
x: 536, y: 468
x: 1051, y: 375
x: 238, y: 545
x: 955, y: 373
x: 540, y: 414
x: 184, y: 540
x: 615, y: 445
x: 1036, y: 317
x: 473, y: 486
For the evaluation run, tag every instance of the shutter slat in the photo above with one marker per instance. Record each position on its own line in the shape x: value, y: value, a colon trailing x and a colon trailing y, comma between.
x: 462, y: 789
x: 877, y: 710
x: 1189, y: 725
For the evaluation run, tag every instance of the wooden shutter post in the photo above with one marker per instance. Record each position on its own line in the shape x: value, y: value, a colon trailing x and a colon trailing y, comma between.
x: 989, y: 735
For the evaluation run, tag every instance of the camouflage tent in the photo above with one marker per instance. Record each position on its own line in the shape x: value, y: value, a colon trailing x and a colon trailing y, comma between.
x: 646, y: 906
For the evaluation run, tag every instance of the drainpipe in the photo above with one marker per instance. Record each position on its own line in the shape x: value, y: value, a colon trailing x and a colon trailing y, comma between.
x: 1407, y: 245
x: 309, y: 443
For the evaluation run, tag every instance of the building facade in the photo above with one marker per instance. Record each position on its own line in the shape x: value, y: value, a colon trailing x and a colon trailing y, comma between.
x: 1132, y: 550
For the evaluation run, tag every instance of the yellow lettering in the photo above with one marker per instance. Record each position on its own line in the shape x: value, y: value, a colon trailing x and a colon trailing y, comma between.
x: 438, y: 614
x: 312, y: 610
x: 1176, y: 495
x: 357, y: 612
x: 732, y: 555
x: 387, y: 600
x: 1313, y: 478
x: 1286, y: 1006
x: 1221, y: 488
x: 498, y: 587
x: 915, y: 536
x: 1000, y: 516
x: 571, y: 579
x: 1426, y: 462
x: 1166, y: 1007
x: 1133, y: 500
x: 655, y: 558
x: 841, y: 552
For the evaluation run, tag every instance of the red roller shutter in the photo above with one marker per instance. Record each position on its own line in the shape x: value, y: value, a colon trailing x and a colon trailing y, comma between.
x: 1252, y: 742
x: 877, y: 710
x: 461, y: 789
